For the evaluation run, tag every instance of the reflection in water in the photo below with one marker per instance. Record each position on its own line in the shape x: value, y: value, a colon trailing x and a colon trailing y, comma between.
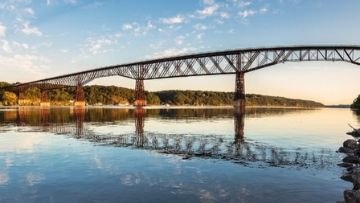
x: 237, y: 149
x: 356, y: 113
x: 234, y: 156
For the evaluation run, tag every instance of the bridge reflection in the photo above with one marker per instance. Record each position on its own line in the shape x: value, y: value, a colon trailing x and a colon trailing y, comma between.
x: 82, y: 123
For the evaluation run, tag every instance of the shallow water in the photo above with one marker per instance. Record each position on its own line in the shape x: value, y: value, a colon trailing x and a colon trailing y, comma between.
x: 172, y: 155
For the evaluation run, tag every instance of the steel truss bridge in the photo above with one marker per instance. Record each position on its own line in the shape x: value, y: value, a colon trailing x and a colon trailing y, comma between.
x: 237, y: 62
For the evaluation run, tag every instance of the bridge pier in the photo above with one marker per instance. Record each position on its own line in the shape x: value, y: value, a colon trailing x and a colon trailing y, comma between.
x: 80, y: 96
x: 140, y: 100
x: 239, y: 95
x: 21, y: 97
x: 45, y: 102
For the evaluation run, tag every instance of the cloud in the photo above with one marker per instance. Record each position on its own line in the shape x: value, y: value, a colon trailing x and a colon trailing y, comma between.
x: 29, y: 64
x: 98, y: 46
x: 241, y: 3
x: 172, y: 52
x: 179, y: 40
x: 208, y: 2
x: 224, y: 15
x: 29, y: 11
x: 173, y: 20
x: 4, y: 45
x: 2, y: 30
x: 246, y: 13
x: 208, y: 11
x: 30, y: 30
x: 200, y: 27
x: 127, y: 26
x: 263, y: 10
x: 138, y: 29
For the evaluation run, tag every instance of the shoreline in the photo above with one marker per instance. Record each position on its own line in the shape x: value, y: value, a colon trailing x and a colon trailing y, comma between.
x: 165, y: 107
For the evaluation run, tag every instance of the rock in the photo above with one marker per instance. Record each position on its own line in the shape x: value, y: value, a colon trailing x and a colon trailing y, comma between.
x: 186, y: 157
x: 351, y: 159
x: 345, y: 165
x: 352, y: 196
x: 351, y: 144
x: 346, y: 150
x: 347, y: 177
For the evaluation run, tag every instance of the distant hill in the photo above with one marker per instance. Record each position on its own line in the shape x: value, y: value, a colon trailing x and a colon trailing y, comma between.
x: 112, y: 95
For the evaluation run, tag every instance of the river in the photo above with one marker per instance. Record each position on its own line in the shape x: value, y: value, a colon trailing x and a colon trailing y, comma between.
x: 172, y: 155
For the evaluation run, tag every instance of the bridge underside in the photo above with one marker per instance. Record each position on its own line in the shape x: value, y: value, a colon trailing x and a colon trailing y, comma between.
x: 238, y: 62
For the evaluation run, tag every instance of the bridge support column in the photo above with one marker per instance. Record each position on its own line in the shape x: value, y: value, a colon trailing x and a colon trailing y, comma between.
x: 140, y: 100
x: 80, y: 97
x: 239, y: 96
x: 45, y: 102
x: 21, y: 97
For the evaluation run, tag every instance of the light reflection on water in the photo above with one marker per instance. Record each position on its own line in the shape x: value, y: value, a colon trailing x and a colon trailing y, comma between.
x: 124, y: 155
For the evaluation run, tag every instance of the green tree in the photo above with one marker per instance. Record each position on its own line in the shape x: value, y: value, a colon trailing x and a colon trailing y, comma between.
x: 356, y: 103
x: 9, y: 98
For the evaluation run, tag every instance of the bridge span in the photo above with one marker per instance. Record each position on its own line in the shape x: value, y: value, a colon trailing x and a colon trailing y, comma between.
x: 238, y: 62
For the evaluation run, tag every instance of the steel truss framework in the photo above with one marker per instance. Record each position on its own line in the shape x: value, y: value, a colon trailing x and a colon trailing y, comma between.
x: 213, y: 63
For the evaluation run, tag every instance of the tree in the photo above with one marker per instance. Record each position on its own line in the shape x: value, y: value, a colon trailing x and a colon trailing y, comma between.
x: 356, y: 103
x: 9, y: 98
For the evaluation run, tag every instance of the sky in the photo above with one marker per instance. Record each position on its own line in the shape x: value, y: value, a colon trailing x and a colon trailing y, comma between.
x: 44, y: 38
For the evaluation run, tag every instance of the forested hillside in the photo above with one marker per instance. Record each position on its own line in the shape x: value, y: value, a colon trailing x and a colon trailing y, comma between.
x: 112, y: 95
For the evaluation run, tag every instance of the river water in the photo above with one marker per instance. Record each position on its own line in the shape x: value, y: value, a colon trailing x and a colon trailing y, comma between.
x: 172, y: 155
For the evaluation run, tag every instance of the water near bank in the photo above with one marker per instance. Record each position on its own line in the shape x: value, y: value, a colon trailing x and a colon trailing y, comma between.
x: 177, y: 155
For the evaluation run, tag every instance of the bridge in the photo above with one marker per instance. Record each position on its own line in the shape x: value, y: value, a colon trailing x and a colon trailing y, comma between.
x: 238, y: 62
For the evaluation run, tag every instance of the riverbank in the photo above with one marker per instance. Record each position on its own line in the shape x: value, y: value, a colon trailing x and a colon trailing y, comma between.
x: 165, y: 107
x: 351, y: 163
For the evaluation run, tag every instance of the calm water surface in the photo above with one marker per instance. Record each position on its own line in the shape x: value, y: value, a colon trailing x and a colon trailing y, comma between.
x: 172, y: 155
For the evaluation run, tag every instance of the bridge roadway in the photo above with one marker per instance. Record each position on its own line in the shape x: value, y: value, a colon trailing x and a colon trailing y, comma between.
x: 239, y: 62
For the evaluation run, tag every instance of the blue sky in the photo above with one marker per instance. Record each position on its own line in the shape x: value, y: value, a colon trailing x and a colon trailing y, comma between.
x: 45, y: 38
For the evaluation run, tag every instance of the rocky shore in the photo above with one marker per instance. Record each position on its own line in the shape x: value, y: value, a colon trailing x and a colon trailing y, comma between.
x: 351, y: 162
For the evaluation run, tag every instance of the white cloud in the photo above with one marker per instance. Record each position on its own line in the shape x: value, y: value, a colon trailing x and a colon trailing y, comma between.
x: 173, y: 20
x: 246, y: 13
x: 4, y: 45
x: 263, y: 10
x: 2, y: 30
x: 200, y: 35
x: 172, y: 52
x: 30, y: 30
x: 138, y: 29
x: 208, y: 11
x: 98, y: 46
x: 127, y: 26
x: 208, y: 2
x: 48, y: 2
x: 242, y: 4
x: 29, y: 11
x: 200, y: 27
x: 179, y: 40
x: 29, y: 64
x: 224, y: 15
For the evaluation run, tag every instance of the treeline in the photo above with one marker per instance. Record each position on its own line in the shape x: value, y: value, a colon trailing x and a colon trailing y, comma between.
x: 112, y: 95
x: 356, y: 104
